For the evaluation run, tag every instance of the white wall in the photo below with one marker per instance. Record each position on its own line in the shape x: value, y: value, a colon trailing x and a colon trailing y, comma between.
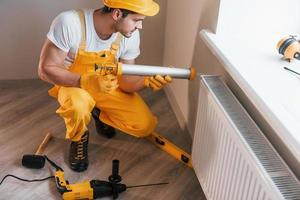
x: 24, y: 25
x: 152, y: 37
x: 183, y: 22
x: 256, y: 19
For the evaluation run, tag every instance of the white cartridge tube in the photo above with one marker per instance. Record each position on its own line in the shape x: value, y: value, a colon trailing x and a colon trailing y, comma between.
x: 148, y: 70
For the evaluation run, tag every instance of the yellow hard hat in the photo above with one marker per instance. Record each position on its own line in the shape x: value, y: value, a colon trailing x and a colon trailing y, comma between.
x: 144, y: 7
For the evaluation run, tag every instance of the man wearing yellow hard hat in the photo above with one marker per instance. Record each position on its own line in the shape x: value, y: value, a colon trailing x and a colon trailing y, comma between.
x: 76, y: 42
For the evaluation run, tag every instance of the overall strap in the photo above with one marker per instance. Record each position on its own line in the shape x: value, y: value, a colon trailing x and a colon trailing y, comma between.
x: 116, y: 44
x: 82, y: 43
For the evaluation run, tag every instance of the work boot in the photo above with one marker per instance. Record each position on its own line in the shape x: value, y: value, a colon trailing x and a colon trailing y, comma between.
x: 101, y: 128
x: 78, y: 156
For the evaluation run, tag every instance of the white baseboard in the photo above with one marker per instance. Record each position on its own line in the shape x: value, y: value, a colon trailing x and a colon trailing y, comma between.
x: 176, y: 109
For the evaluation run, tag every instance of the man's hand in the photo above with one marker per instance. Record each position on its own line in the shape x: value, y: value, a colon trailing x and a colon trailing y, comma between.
x: 94, y: 83
x: 157, y: 82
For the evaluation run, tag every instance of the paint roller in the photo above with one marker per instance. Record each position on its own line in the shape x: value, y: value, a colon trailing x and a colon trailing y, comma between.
x: 37, y: 160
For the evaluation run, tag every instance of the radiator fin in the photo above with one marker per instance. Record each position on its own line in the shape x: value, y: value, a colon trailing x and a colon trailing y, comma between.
x: 231, y: 156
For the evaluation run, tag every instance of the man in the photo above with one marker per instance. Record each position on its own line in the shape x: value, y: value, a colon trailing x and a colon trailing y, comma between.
x: 76, y: 42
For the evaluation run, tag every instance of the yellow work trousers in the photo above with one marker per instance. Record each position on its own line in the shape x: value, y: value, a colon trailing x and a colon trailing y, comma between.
x: 124, y: 111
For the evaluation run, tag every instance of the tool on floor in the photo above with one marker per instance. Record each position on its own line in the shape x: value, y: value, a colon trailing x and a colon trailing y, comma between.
x: 86, y: 190
x: 289, y: 47
x: 170, y: 148
x: 89, y: 189
x: 37, y: 161
x: 145, y: 70
x: 95, y: 188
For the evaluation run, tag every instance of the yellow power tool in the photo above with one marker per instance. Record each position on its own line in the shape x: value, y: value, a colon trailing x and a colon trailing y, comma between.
x: 289, y: 47
x: 89, y: 189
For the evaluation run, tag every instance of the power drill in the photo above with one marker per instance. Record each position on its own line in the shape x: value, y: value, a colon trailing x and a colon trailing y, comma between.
x: 86, y: 190
x: 89, y: 189
x: 289, y: 47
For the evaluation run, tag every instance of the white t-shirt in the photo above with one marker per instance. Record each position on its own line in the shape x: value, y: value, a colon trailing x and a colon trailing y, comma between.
x: 65, y: 33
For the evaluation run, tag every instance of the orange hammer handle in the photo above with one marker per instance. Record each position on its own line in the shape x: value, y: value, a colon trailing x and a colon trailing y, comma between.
x: 41, y: 148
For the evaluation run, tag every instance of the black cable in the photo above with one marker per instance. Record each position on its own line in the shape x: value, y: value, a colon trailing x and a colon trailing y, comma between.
x: 133, y: 186
x: 26, y: 180
x: 291, y: 70
x: 53, y: 164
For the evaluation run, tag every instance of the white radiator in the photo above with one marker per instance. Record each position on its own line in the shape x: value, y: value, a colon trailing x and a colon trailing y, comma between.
x: 232, y: 158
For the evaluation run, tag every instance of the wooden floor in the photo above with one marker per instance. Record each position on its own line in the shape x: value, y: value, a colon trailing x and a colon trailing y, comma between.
x: 27, y: 113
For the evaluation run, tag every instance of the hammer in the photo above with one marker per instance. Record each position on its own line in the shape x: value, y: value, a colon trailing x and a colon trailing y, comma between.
x: 37, y: 160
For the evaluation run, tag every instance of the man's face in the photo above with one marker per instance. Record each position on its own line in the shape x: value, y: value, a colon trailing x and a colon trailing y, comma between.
x: 127, y: 25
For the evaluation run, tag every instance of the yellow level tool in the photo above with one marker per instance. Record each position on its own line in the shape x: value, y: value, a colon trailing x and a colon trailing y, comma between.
x: 170, y: 148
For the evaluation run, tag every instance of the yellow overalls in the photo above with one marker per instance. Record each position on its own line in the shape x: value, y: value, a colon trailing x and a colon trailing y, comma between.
x: 124, y: 111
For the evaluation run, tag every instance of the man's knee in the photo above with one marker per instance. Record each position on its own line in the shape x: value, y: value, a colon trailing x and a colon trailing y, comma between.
x: 77, y: 102
x: 146, y: 125
x: 81, y: 109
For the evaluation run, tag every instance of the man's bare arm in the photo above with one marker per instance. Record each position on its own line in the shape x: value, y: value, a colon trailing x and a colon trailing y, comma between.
x: 51, y: 67
x: 131, y: 83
